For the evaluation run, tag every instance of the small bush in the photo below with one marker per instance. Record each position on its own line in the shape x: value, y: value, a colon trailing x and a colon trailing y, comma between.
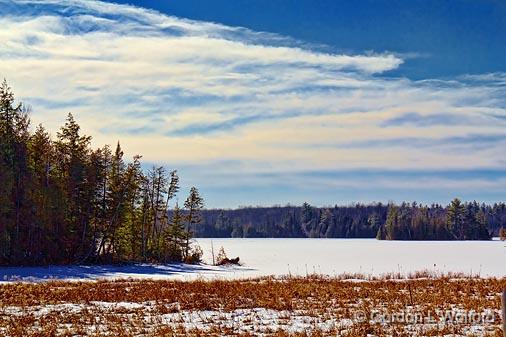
x: 221, y: 256
x: 502, y: 234
x: 195, y: 255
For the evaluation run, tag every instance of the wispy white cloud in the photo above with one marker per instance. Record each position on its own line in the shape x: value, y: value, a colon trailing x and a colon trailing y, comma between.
x: 193, y: 92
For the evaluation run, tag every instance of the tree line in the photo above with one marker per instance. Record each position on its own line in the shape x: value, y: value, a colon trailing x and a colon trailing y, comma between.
x: 63, y: 202
x: 457, y: 221
x: 407, y: 221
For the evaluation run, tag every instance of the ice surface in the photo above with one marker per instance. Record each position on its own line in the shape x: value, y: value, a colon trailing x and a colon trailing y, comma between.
x: 367, y: 256
x: 263, y: 257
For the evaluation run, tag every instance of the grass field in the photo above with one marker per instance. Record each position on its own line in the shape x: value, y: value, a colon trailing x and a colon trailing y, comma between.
x: 315, y: 306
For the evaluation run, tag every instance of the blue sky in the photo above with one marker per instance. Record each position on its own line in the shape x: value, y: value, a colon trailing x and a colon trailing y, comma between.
x: 275, y: 102
x: 450, y: 37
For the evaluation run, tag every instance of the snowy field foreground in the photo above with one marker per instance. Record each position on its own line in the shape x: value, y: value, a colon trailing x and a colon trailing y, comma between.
x: 288, y: 307
x: 300, y: 257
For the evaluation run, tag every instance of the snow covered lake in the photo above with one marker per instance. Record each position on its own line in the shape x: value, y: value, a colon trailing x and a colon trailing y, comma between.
x: 263, y: 257
x: 367, y: 256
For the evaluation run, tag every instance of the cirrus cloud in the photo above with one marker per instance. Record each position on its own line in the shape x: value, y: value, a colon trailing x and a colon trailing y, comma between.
x: 197, y: 93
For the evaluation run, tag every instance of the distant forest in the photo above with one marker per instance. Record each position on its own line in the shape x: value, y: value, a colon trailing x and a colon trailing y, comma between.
x: 63, y: 202
x: 457, y: 221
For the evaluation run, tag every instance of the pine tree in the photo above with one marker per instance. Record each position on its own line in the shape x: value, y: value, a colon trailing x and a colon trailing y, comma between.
x: 193, y: 204
x: 175, y: 236
x: 72, y: 157
x: 116, y: 203
x: 455, y: 219
x: 391, y: 228
x: 158, y: 207
x: 381, y: 234
x: 40, y: 159
x: 308, y: 221
x: 326, y: 220
x: 481, y: 231
x: 419, y: 223
x: 132, y: 220
x: 14, y: 135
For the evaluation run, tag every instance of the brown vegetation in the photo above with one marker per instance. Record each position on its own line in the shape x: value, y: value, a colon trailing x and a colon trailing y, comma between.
x: 175, y: 308
x: 502, y: 234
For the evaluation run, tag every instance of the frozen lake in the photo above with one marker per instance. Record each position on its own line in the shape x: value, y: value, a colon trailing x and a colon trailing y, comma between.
x: 368, y: 256
x: 263, y: 257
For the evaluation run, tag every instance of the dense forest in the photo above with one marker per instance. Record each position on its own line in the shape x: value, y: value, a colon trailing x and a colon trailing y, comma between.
x: 360, y: 221
x: 63, y: 202
x: 457, y: 221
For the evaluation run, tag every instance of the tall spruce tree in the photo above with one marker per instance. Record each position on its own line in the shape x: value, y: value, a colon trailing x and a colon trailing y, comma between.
x: 455, y: 218
x: 193, y: 204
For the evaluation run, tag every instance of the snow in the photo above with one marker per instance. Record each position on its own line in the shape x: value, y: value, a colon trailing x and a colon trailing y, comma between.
x: 136, y: 271
x: 264, y: 257
x: 260, y: 321
x: 365, y: 256
x: 256, y: 319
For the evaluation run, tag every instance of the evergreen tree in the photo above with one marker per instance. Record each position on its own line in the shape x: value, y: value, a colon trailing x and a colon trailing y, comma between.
x: 72, y: 158
x: 14, y: 135
x: 481, y: 231
x: 176, y: 236
x: 391, y: 229
x: 455, y: 219
x: 326, y: 220
x: 193, y: 204
x: 308, y: 221
x: 40, y: 159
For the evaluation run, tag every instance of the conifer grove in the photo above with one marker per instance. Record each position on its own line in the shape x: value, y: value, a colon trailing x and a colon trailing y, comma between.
x: 63, y: 202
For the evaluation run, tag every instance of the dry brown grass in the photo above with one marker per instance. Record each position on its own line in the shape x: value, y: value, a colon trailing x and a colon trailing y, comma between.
x: 70, y: 308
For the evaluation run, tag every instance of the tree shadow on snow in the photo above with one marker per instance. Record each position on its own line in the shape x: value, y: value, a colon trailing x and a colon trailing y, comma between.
x: 71, y: 272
